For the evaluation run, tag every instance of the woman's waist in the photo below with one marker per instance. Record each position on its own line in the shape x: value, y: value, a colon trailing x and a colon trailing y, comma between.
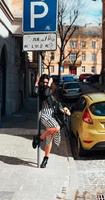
x: 47, y: 111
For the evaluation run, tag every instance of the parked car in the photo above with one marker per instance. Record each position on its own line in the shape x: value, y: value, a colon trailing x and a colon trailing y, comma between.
x: 94, y: 78
x: 87, y: 124
x: 64, y: 79
x: 76, y: 77
x: 55, y: 78
x: 83, y: 77
x: 71, y: 90
x: 67, y: 78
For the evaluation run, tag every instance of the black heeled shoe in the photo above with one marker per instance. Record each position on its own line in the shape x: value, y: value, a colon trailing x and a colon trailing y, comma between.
x: 36, y: 141
x: 44, y: 162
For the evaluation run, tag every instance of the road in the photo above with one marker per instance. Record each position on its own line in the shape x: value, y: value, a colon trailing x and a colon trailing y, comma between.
x: 88, y: 173
x: 87, y: 88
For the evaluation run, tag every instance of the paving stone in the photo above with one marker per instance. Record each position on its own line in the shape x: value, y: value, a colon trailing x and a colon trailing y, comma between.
x: 19, y: 173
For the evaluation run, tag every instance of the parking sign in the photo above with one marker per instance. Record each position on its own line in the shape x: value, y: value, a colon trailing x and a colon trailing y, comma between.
x: 39, y: 16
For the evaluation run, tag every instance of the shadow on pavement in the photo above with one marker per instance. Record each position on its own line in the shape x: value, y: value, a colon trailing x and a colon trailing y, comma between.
x: 16, y: 161
x: 24, y: 125
x: 93, y: 155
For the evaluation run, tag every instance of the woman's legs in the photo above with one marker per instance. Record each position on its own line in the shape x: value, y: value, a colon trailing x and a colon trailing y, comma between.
x: 48, y: 148
x: 47, y: 152
x: 48, y: 135
x: 48, y: 132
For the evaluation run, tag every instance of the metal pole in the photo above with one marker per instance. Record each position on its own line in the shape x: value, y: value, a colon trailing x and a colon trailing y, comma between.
x: 38, y: 110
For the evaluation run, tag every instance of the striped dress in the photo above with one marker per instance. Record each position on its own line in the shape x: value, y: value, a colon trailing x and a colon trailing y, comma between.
x: 49, y: 121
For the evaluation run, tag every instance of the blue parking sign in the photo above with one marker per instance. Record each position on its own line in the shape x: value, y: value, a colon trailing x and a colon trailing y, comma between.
x: 39, y: 16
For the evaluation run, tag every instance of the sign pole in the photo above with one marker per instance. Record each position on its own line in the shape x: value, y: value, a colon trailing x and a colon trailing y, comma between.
x: 38, y: 109
x: 39, y: 17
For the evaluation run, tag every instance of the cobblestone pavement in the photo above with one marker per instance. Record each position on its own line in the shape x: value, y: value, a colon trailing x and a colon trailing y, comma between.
x: 20, y: 177
x: 87, y: 175
x: 87, y: 180
x: 21, y: 180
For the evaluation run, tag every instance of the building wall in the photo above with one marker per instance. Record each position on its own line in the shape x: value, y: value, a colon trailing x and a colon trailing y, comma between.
x: 103, y: 37
x: 10, y: 60
x: 89, y: 50
x: 16, y: 7
x: 88, y: 37
x: 11, y: 74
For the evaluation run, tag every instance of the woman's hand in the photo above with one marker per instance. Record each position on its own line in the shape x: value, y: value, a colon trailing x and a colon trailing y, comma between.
x: 50, y: 81
x: 66, y: 111
x: 37, y: 80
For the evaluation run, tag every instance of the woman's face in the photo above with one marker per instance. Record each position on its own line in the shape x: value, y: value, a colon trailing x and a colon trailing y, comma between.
x: 45, y: 81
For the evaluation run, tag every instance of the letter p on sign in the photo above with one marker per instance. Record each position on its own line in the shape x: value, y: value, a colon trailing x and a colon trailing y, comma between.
x: 37, y: 15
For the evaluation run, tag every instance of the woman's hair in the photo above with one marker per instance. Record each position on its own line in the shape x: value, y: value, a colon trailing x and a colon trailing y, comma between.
x: 43, y: 76
x: 42, y: 87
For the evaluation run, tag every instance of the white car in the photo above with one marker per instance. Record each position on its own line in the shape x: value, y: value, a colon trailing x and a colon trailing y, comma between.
x: 71, y: 90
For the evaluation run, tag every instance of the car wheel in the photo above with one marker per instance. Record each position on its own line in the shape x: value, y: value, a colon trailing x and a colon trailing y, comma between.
x: 73, y: 144
x: 80, y: 150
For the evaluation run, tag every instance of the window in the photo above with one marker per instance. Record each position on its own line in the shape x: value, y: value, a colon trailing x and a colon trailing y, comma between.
x: 83, y: 56
x: 83, y: 68
x: 72, y: 57
x: 52, y: 55
x: 30, y: 56
x: 83, y: 44
x: 93, y: 57
x: 51, y: 69
x: 81, y: 104
x: 93, y: 44
x: 98, y: 109
x: 93, y: 69
x: 62, y: 68
x: 73, y: 44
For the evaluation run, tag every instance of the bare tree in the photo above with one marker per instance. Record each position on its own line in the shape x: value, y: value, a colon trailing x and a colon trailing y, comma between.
x: 48, y: 61
x: 67, y: 16
x: 68, y: 12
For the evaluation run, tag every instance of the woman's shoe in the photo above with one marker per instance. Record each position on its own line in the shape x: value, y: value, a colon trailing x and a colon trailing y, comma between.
x: 44, y: 162
x: 36, y: 141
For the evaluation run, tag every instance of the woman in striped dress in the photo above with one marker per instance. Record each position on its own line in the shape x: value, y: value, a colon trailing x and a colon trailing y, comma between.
x: 45, y: 88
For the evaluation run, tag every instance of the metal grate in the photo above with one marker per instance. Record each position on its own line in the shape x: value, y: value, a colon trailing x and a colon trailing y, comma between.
x: 100, y: 196
x: 88, y: 196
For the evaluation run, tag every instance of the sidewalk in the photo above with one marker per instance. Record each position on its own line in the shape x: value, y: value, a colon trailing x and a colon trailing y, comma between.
x: 20, y: 177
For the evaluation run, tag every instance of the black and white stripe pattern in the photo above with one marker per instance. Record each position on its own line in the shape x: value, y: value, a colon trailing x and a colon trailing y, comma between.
x: 48, y: 121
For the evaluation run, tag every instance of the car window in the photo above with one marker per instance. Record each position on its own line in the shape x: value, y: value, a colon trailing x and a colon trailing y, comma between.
x: 66, y: 79
x: 81, y: 104
x: 98, y: 109
x: 71, y: 85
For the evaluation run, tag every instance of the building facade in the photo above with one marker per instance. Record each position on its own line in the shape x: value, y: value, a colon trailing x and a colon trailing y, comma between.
x: 13, y: 62
x: 83, y: 50
x: 103, y: 37
x: 17, y: 68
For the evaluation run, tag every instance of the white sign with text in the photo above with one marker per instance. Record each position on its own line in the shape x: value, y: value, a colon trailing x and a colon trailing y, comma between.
x: 40, y: 42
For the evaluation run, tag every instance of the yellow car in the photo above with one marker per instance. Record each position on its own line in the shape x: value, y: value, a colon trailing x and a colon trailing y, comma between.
x: 87, y: 123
